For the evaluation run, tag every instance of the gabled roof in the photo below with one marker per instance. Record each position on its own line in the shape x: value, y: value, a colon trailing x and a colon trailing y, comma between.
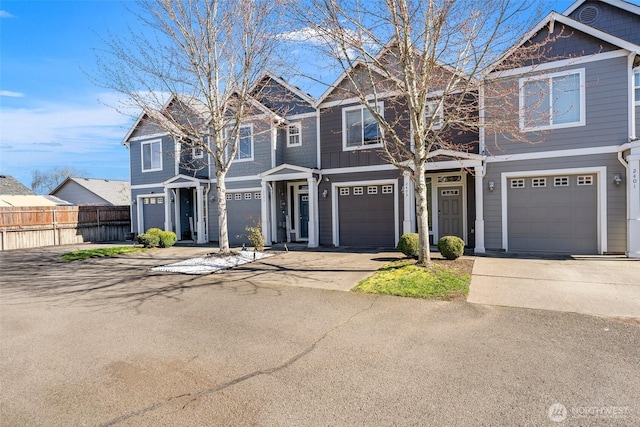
x: 550, y: 21
x: 111, y: 191
x: 617, y: 3
x: 9, y: 186
x: 31, y: 201
x: 296, y: 90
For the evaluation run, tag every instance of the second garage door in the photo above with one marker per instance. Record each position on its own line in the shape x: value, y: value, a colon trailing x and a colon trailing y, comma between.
x: 366, y: 216
x: 554, y: 214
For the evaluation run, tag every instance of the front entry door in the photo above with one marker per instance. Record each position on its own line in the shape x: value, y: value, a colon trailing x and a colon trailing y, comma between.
x: 450, y: 212
x: 303, y: 206
x: 187, y: 214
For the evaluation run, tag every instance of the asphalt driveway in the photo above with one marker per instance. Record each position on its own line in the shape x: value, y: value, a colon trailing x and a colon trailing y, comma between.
x: 107, y: 342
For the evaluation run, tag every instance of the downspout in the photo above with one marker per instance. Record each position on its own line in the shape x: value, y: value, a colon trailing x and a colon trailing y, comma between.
x: 206, y: 216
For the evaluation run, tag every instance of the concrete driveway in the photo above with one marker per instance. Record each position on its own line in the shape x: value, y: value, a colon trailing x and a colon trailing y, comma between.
x: 601, y: 286
x: 106, y: 342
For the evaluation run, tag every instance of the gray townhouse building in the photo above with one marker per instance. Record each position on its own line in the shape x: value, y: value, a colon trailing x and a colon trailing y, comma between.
x: 311, y: 170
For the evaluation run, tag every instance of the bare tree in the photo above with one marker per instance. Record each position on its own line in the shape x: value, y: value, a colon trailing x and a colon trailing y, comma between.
x: 45, y: 181
x: 204, y: 56
x: 426, y: 58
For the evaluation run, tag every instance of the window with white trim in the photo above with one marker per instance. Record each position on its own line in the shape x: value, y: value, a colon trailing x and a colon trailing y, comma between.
x: 636, y: 86
x: 561, y: 181
x: 373, y: 189
x: 247, y: 196
x: 359, y: 128
x: 229, y: 196
x: 294, y: 135
x: 517, y: 183
x: 387, y: 189
x: 238, y: 196
x: 538, y: 182
x: 433, y: 112
x: 257, y: 196
x: 245, y: 143
x: 552, y: 101
x: 585, y: 180
x: 151, y: 156
x: 358, y: 191
x: 344, y: 191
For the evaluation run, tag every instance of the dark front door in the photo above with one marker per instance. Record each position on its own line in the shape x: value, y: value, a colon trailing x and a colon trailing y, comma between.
x: 187, y: 214
x: 303, y: 206
x: 450, y: 212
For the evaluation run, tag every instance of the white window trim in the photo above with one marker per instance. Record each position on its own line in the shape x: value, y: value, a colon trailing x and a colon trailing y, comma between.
x: 438, y: 112
x: 522, y: 81
x: 298, y: 126
x: 142, y: 144
x: 635, y: 88
x: 249, y: 159
x: 380, y: 106
x: 194, y: 150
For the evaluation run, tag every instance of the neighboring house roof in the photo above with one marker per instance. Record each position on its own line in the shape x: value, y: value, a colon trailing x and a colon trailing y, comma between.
x: 9, y: 186
x: 629, y: 7
x: 30, y: 200
x: 81, y: 191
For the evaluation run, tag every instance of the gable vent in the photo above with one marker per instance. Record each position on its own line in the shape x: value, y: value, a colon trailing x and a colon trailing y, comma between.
x: 589, y: 14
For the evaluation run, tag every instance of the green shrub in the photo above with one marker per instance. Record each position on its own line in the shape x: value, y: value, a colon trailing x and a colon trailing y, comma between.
x: 154, y: 237
x: 149, y: 240
x: 255, y: 236
x: 167, y: 239
x: 451, y: 247
x: 409, y: 244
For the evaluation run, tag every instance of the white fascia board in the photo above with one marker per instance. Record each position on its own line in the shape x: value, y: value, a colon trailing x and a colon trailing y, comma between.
x: 554, y: 154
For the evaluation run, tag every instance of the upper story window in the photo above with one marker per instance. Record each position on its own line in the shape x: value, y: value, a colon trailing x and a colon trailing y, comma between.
x: 433, y: 112
x: 359, y: 128
x: 636, y: 86
x: 552, y: 101
x: 294, y: 135
x: 151, y: 156
x: 245, y: 144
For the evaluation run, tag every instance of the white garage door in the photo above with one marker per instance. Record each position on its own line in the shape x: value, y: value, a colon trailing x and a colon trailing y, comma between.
x: 553, y: 214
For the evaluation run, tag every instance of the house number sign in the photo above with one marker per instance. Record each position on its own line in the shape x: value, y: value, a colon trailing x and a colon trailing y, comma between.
x: 634, y: 178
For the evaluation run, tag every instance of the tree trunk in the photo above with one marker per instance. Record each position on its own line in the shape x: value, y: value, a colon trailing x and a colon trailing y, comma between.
x: 221, y: 194
x: 424, y: 254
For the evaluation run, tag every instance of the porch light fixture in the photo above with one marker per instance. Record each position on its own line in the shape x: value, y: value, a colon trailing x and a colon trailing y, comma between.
x: 492, y: 185
x: 324, y: 193
x: 617, y: 179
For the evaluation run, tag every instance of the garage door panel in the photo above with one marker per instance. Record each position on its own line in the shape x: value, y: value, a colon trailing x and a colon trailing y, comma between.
x: 366, y: 219
x: 553, y: 218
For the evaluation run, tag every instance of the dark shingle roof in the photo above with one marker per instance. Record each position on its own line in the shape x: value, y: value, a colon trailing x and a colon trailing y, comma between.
x: 9, y: 186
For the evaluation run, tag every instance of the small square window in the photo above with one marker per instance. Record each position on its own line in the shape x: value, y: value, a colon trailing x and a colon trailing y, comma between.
x: 539, y: 182
x: 561, y: 181
x: 585, y: 180
x: 247, y: 196
x: 304, y: 198
x: 517, y: 183
x: 160, y: 200
x: 358, y: 191
x: 145, y: 200
x: 229, y: 196
x: 344, y: 191
x: 238, y: 196
x: 372, y: 190
x: 387, y: 189
x: 257, y: 196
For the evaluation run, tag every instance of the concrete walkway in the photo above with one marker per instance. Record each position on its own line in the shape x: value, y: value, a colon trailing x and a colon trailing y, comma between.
x: 600, y: 286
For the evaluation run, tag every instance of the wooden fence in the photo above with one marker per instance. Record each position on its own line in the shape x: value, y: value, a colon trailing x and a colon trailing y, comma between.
x: 32, y: 227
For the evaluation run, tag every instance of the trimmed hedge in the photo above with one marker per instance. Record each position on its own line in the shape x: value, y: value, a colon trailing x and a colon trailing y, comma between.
x: 154, y: 237
x: 409, y: 244
x: 451, y: 247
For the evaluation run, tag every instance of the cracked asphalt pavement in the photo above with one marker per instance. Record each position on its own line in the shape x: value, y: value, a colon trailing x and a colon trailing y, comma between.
x: 109, y: 343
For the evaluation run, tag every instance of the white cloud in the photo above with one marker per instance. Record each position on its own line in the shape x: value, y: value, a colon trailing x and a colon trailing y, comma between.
x: 11, y: 94
x: 5, y: 14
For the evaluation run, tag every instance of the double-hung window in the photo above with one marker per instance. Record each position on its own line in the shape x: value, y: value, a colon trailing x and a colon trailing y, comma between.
x: 294, y: 135
x: 245, y: 143
x: 552, y: 101
x: 636, y: 86
x: 359, y: 128
x: 433, y: 112
x: 151, y: 156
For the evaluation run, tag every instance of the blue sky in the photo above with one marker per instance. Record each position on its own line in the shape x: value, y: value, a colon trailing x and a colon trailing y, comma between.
x: 51, y: 114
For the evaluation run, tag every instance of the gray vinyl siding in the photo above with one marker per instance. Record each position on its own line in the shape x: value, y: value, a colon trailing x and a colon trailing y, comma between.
x: 168, y: 162
x: 324, y: 204
x: 261, y: 153
x: 616, y: 198
x: 306, y: 154
x: 78, y: 195
x: 613, y: 20
x: 606, y: 114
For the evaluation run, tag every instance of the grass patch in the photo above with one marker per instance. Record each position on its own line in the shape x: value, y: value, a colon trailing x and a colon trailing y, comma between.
x: 442, y: 280
x: 99, y: 253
